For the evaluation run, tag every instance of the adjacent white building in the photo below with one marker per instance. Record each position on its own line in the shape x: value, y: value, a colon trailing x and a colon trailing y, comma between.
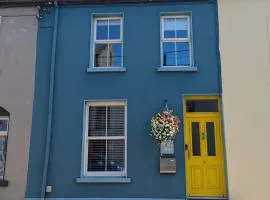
x: 18, y: 32
x: 245, y: 61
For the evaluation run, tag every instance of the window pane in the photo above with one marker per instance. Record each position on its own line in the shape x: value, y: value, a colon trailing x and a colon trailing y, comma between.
x: 101, y: 55
x: 169, y: 54
x: 202, y: 105
x: 96, y: 155
x: 3, y: 148
x: 116, y: 155
x: 196, y: 144
x: 114, y: 26
x: 183, y: 54
x: 181, y: 28
x: 115, y: 55
x: 3, y: 125
x: 116, y: 121
x: 211, y: 143
x: 169, y: 27
x: 97, y: 121
x: 102, y: 30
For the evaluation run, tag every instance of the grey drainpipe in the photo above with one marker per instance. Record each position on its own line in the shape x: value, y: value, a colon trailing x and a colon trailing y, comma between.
x: 50, y: 110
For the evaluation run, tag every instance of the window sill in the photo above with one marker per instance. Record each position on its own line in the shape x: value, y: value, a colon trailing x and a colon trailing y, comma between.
x: 177, y: 69
x: 3, y: 183
x: 103, y: 180
x: 106, y: 69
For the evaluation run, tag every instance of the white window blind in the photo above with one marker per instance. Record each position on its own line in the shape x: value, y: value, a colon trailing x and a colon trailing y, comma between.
x: 106, y: 138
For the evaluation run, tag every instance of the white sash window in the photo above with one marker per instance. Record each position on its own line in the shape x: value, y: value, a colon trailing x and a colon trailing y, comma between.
x: 105, y: 139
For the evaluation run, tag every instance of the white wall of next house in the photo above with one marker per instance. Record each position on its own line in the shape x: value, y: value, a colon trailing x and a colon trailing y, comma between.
x: 18, y: 32
x: 245, y: 62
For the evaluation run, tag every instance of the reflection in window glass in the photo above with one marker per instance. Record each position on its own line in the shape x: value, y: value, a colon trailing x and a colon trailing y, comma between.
x: 101, y: 55
x: 108, y: 42
x: 169, y: 28
x: 114, y: 29
x: 115, y: 55
x: 206, y: 105
x: 169, y: 54
x: 183, y: 54
x: 102, y: 30
x: 211, y: 143
x: 3, y: 125
x: 181, y: 28
x: 108, y: 55
x: 196, y: 144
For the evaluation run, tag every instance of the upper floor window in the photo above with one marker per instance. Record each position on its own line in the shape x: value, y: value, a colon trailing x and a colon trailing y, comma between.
x: 108, y: 42
x: 176, y: 41
x: 105, y: 139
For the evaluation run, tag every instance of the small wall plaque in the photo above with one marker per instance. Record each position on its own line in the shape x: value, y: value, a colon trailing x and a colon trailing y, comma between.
x: 167, y: 165
x: 166, y: 147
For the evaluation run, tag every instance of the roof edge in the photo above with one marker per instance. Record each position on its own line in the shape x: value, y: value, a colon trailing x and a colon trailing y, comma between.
x: 25, y: 3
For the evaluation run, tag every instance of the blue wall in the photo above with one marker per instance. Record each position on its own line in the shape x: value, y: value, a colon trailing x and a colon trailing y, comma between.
x: 142, y: 85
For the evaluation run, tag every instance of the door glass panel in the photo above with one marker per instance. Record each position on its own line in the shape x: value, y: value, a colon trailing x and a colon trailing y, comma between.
x: 201, y: 105
x: 196, y: 145
x: 211, y: 143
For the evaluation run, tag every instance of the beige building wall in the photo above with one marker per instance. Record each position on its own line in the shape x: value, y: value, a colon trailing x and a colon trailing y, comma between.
x: 18, y: 32
x: 245, y: 62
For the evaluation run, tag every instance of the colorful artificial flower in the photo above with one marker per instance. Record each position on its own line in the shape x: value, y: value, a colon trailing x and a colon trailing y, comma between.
x: 164, y: 126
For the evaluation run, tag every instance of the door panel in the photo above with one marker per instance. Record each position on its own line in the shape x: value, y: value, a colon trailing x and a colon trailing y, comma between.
x: 205, y: 171
x: 195, y: 149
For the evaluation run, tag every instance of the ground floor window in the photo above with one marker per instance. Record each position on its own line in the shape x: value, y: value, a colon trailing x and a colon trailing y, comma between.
x: 4, y: 121
x: 105, y: 152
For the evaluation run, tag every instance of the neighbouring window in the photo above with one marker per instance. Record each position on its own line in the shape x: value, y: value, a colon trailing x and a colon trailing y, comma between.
x: 108, y: 42
x: 4, y: 126
x: 106, y: 139
x: 176, y: 41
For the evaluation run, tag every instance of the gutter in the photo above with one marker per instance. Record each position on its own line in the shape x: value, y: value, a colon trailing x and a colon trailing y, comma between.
x: 47, y: 3
x: 51, y: 97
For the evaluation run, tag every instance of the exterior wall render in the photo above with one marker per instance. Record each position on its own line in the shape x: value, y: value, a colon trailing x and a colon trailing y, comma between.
x: 245, y: 63
x: 18, y: 31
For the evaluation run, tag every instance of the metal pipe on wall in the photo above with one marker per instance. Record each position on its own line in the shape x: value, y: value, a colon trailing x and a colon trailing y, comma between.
x: 51, y: 96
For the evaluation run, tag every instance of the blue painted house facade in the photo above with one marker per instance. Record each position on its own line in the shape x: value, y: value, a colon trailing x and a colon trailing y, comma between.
x: 102, y: 72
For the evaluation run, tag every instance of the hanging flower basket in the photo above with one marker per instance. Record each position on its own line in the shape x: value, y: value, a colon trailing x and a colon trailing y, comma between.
x: 164, y: 126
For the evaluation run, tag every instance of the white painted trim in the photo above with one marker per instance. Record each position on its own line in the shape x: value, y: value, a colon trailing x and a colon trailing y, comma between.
x: 84, y: 180
x: 106, y: 103
x: 3, y: 133
x: 86, y: 138
x: 94, y: 41
x: 105, y: 137
x: 175, y: 40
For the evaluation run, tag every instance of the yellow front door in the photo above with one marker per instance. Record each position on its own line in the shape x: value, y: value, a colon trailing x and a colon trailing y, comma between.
x: 204, y: 155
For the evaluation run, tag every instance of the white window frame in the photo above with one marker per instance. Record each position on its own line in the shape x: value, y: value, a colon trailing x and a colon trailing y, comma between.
x: 87, y: 138
x: 188, y: 39
x: 107, y: 41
